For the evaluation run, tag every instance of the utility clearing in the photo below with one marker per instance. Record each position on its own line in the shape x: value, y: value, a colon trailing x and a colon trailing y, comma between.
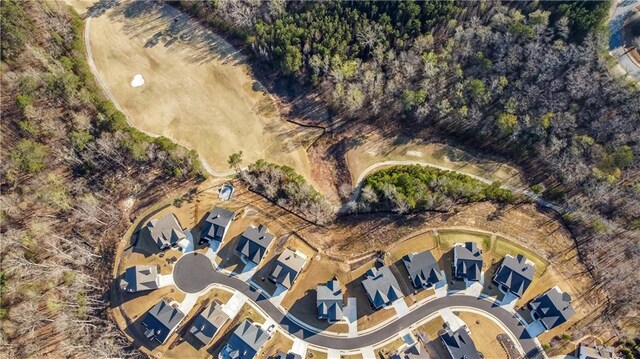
x: 197, y: 88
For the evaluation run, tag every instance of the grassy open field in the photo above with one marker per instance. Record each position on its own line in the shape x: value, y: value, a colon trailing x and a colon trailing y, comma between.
x: 484, y: 333
x: 198, y: 89
x: 374, y: 149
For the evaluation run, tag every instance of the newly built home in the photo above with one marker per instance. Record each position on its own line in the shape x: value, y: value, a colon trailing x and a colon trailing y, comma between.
x: 596, y: 352
x: 245, y: 342
x: 289, y: 355
x: 329, y: 301
x: 423, y: 269
x: 139, y: 278
x: 166, y: 232
x: 515, y: 274
x: 208, y: 323
x: 467, y: 262
x: 254, y: 243
x: 552, y: 308
x: 459, y: 344
x: 161, y: 320
x: 216, y: 225
x: 288, y: 265
x: 381, y: 287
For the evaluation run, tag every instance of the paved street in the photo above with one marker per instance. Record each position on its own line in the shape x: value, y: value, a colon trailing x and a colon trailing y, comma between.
x: 193, y: 272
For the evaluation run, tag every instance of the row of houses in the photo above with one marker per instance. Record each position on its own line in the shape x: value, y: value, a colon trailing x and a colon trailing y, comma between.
x: 514, y: 276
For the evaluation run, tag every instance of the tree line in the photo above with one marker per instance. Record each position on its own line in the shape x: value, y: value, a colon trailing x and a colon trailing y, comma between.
x: 69, y: 164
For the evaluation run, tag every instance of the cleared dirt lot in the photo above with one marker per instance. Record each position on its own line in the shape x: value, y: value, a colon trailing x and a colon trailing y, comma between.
x: 198, y: 89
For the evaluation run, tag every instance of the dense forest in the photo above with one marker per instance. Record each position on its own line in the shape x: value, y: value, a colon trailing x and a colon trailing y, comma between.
x: 527, y: 80
x: 70, y: 167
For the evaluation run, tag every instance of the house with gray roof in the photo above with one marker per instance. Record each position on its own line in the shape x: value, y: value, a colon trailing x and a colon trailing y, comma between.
x: 161, y: 321
x: 459, y: 344
x: 288, y: 265
x: 596, y: 352
x: 139, y: 278
x: 423, y: 269
x: 413, y: 351
x: 329, y: 301
x: 216, y: 225
x: 254, y: 243
x: 381, y: 287
x: 552, y: 308
x: 467, y: 262
x: 290, y: 355
x: 515, y: 274
x: 245, y: 342
x: 166, y: 232
x: 208, y: 323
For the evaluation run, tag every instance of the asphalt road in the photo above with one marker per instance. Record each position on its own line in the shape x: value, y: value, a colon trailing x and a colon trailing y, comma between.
x: 194, y: 272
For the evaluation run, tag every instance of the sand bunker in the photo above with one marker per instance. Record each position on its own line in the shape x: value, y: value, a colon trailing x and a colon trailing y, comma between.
x: 137, y: 81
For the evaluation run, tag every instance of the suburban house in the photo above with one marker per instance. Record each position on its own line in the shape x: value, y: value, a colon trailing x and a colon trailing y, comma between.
x: 161, y: 321
x: 329, y: 301
x: 552, y: 308
x: 459, y: 344
x: 288, y: 265
x: 216, y: 225
x: 245, y: 342
x: 381, y: 287
x: 139, y: 278
x: 467, y: 262
x: 596, y: 352
x: 515, y: 274
x: 281, y: 355
x: 166, y: 232
x: 254, y: 243
x: 208, y: 323
x: 413, y: 351
x: 423, y: 269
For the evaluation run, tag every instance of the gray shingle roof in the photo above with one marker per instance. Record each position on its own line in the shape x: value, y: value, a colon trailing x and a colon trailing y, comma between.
x: 206, y: 324
x: 216, y: 224
x: 553, y: 307
x: 515, y: 273
x: 468, y: 261
x: 165, y: 231
x: 281, y: 355
x: 423, y: 269
x: 139, y: 278
x: 459, y: 344
x: 245, y: 342
x: 597, y: 352
x: 415, y: 351
x: 161, y: 320
x: 329, y: 301
x: 254, y: 243
x: 288, y: 266
x: 381, y: 286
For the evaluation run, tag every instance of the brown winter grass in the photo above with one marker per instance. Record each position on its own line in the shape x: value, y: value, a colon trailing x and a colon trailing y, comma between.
x: 278, y: 342
x: 198, y: 89
x: 375, y: 148
x: 386, y: 350
x: 484, y: 335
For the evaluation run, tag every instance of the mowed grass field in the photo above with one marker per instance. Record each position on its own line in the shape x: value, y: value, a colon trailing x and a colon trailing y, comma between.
x: 198, y: 88
x: 374, y: 148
